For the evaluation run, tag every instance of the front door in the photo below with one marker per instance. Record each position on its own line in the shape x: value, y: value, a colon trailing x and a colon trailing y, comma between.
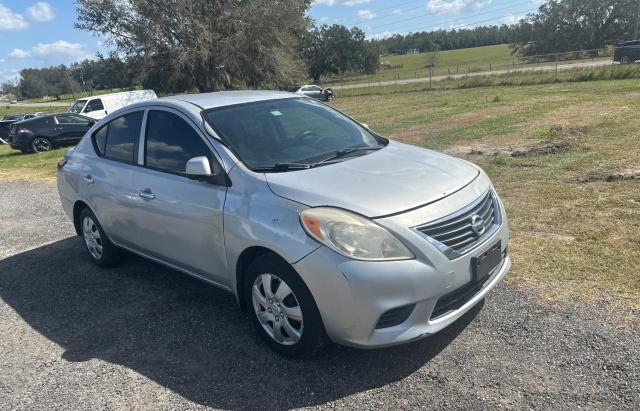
x: 179, y: 220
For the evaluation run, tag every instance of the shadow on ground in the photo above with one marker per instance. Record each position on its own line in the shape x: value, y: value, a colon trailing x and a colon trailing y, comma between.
x: 185, y: 335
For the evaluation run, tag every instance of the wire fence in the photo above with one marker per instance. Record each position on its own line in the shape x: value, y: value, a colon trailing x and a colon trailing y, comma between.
x: 432, y: 70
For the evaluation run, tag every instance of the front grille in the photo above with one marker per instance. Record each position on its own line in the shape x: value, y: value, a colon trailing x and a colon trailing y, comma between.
x: 464, y: 229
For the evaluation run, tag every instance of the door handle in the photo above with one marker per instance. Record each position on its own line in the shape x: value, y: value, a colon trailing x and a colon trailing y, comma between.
x: 146, y: 194
x: 88, y: 179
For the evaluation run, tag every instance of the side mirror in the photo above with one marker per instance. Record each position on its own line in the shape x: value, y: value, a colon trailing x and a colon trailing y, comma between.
x: 199, y: 168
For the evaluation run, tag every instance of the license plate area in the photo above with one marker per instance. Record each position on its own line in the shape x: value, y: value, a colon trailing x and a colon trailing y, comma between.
x: 484, y: 264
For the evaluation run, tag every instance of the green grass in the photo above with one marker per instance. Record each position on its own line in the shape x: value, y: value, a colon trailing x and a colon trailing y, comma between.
x: 6, y: 110
x: 449, y: 62
x: 69, y: 98
x: 15, y: 165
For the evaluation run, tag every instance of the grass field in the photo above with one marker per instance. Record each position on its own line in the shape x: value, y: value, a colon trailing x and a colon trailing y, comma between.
x: 479, y: 59
x: 68, y: 98
x: 573, y: 232
x: 561, y: 155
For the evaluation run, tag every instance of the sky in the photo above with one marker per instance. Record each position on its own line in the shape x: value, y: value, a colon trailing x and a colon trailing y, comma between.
x: 41, y: 33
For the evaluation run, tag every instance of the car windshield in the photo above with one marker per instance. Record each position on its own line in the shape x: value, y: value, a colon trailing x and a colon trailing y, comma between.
x: 77, y: 106
x: 294, y: 131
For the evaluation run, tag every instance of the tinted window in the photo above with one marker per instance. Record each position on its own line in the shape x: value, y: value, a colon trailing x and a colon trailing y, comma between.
x: 77, y: 106
x: 72, y: 119
x: 122, y: 136
x: 94, y: 105
x: 100, y: 139
x: 171, y: 142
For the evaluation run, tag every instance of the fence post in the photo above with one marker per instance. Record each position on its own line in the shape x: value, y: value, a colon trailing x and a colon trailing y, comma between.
x: 449, y: 70
x: 490, y: 67
x: 430, y: 77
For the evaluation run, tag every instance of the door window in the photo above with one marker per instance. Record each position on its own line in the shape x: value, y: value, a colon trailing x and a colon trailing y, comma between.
x: 72, y: 119
x: 121, y: 137
x: 171, y: 142
x: 94, y: 105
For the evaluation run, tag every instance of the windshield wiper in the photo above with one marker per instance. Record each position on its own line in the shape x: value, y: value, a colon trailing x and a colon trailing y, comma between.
x: 284, y: 167
x: 341, y: 153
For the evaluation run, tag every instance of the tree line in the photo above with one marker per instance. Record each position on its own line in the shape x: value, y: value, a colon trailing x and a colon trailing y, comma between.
x: 170, y: 46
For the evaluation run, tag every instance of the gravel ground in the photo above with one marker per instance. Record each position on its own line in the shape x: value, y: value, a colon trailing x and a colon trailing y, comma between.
x: 74, y: 336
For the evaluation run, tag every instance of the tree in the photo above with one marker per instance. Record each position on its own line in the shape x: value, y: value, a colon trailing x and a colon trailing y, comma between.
x: 202, y: 44
x: 568, y: 25
x: 336, y: 49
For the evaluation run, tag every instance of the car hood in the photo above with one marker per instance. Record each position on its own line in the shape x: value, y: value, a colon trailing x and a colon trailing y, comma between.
x: 396, y: 178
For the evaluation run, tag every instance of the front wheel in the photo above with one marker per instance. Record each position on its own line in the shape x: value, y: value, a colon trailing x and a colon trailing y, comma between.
x: 282, y: 308
x: 625, y: 60
x: 40, y: 145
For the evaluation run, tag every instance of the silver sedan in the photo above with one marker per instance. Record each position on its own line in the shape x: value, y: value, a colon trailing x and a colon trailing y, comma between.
x: 322, y: 229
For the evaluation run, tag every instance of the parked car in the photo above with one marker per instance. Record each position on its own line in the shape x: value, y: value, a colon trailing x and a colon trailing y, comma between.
x: 99, y: 106
x: 627, y: 52
x: 318, y: 226
x: 46, y: 132
x: 6, y: 122
x: 317, y: 92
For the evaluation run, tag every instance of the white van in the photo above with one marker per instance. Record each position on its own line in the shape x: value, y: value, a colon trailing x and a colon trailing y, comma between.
x: 99, y: 106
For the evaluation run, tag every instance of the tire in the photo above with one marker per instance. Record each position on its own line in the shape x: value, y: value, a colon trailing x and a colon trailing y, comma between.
x: 285, y: 335
x: 625, y: 60
x: 101, y: 251
x: 40, y: 145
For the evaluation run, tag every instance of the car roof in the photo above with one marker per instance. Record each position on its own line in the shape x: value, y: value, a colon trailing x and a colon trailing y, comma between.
x: 228, y: 98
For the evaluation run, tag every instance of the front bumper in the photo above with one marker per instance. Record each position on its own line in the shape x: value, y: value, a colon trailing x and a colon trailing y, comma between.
x: 353, y: 296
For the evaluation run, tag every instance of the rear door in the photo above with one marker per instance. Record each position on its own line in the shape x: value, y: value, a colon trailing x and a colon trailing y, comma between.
x: 108, y: 179
x: 179, y: 220
x: 70, y: 128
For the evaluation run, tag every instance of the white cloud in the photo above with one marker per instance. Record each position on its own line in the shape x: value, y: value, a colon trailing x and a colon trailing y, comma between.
x: 10, y: 21
x: 511, y: 19
x: 19, y: 54
x: 59, y: 47
x: 41, y: 12
x: 355, y: 2
x: 366, y: 14
x: 455, y: 6
x: 397, y: 12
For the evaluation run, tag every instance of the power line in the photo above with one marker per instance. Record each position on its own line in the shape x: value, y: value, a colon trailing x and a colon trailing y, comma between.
x: 434, y: 14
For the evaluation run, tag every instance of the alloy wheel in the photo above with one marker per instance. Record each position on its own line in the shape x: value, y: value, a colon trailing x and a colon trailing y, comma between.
x: 92, y: 238
x: 41, y: 144
x: 277, y: 309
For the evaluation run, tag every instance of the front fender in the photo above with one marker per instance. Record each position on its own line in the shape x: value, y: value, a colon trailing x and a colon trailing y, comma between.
x: 255, y: 217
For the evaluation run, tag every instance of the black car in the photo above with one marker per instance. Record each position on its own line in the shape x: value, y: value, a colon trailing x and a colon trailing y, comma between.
x: 46, y: 132
x: 6, y: 122
x: 627, y: 52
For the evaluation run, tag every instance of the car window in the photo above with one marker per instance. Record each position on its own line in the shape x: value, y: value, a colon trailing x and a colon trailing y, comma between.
x: 71, y: 119
x: 122, y: 136
x: 77, y: 106
x: 100, y: 139
x: 292, y: 130
x: 94, y: 105
x: 315, y: 88
x: 170, y: 142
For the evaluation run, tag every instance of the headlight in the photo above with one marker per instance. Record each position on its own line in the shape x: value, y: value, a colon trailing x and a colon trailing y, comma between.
x: 352, y: 235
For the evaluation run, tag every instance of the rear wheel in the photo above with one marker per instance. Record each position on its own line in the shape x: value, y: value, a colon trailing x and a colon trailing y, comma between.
x: 101, y: 250
x: 40, y: 144
x: 282, y: 308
